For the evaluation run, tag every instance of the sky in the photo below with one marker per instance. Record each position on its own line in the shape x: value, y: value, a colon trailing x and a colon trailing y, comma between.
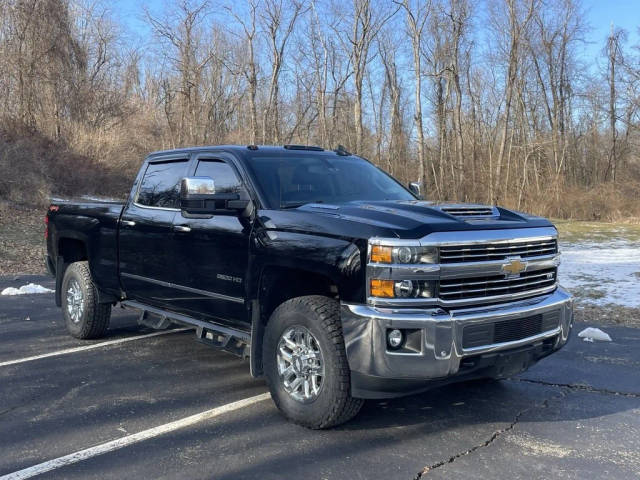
x: 600, y: 15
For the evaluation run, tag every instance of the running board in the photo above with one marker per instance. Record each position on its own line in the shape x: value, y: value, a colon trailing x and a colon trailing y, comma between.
x: 229, y: 343
x: 155, y: 322
x: 229, y: 339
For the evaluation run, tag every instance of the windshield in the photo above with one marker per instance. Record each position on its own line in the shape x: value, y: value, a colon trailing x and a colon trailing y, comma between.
x: 289, y: 181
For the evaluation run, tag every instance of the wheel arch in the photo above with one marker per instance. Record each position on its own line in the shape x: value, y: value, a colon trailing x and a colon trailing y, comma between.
x: 69, y: 249
x: 276, y: 285
x: 72, y: 248
x: 279, y: 283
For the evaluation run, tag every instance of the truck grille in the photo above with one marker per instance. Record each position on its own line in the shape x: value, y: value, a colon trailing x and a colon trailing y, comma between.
x: 497, y: 251
x: 495, y: 285
x: 508, y: 330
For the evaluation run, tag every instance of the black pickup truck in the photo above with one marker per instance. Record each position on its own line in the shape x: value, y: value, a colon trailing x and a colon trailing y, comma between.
x: 338, y: 283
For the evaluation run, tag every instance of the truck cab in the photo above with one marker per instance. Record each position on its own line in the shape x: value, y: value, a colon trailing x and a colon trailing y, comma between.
x: 336, y: 281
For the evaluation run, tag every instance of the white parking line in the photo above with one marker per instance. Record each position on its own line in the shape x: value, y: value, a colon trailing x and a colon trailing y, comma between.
x: 90, y: 347
x: 131, y: 439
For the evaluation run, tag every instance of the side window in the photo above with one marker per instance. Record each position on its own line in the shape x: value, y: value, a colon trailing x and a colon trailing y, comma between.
x: 160, y: 185
x: 224, y: 177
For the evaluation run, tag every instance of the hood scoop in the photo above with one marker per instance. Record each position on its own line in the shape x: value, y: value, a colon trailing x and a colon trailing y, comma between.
x: 470, y: 212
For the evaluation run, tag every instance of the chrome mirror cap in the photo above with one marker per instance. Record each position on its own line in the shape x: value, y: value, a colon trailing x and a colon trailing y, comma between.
x: 414, y: 187
x: 192, y: 186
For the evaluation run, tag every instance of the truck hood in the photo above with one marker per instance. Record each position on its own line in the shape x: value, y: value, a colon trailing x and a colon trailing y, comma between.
x: 395, y: 219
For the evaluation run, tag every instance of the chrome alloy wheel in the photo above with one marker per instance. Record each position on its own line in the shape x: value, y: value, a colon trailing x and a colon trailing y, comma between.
x: 75, y: 301
x: 300, y: 364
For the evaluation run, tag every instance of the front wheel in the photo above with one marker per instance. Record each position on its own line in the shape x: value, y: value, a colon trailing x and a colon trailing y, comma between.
x: 84, y: 317
x: 305, y: 363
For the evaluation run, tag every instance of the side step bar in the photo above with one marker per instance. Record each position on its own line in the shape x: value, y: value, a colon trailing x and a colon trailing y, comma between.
x: 230, y: 339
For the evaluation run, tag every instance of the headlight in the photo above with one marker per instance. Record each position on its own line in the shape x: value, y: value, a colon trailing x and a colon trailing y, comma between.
x: 401, y: 288
x: 403, y: 255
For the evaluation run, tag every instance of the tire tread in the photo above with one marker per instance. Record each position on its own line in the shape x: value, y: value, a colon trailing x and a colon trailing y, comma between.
x: 343, y: 407
x: 97, y: 314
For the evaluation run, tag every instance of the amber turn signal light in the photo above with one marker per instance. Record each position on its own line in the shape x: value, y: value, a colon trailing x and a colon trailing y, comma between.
x: 380, y: 254
x: 381, y: 288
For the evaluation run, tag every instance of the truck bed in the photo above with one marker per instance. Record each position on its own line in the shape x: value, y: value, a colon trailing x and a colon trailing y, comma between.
x: 92, y: 223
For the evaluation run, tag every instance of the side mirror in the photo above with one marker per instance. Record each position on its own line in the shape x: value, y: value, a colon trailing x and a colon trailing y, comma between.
x: 414, y: 187
x: 198, y: 197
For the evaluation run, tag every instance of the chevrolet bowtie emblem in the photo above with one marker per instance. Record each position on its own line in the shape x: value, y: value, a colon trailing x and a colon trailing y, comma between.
x: 514, y: 267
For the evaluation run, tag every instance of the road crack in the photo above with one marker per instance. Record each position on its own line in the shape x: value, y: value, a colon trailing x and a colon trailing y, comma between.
x: 8, y: 410
x: 574, y: 386
x: 564, y: 388
x: 497, y: 434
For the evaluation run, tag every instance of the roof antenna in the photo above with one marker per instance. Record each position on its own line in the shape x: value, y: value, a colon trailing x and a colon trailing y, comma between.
x: 342, y: 151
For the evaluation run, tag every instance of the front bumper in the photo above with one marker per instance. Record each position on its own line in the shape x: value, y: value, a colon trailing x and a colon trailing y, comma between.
x: 378, y: 372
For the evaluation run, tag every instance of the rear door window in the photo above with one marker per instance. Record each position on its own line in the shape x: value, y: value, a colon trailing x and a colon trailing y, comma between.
x: 160, y: 185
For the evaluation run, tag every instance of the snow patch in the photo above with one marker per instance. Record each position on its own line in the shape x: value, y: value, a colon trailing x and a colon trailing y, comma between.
x: 602, y: 273
x: 26, y: 289
x: 590, y: 334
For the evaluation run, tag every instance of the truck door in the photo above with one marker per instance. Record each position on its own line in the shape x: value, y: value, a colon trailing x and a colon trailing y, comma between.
x: 146, y: 237
x: 215, y: 254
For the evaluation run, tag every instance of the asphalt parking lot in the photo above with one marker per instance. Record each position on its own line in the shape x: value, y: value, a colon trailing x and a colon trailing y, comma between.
x: 574, y: 415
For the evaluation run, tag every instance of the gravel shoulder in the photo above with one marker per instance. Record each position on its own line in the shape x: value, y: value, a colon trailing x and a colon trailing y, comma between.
x: 607, y: 315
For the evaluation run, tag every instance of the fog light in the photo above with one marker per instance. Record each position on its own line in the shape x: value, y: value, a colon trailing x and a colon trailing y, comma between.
x: 395, y: 338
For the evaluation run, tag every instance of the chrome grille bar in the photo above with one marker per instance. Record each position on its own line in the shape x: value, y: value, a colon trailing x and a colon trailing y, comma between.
x: 492, y: 286
x: 538, y: 274
x: 458, y: 254
x: 541, y: 244
x: 525, y: 253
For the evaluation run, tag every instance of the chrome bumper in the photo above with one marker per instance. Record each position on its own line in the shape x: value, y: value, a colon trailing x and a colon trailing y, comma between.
x: 441, y: 352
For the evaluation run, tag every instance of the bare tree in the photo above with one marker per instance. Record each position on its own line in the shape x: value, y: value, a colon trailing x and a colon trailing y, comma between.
x: 519, y: 15
x: 389, y: 52
x: 278, y: 20
x: 366, y: 21
x: 188, y: 56
x: 513, y: 116
x: 457, y: 14
x: 249, y: 67
x: 417, y: 14
x: 614, y: 58
x: 557, y: 29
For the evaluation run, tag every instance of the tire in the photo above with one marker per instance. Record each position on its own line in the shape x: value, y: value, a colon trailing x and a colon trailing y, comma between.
x: 332, y: 404
x: 84, y: 317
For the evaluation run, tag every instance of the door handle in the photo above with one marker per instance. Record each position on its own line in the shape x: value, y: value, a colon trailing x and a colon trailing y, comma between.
x: 129, y: 223
x: 181, y: 228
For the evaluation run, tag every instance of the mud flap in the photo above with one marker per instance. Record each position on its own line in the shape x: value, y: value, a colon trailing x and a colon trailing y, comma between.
x: 257, y: 332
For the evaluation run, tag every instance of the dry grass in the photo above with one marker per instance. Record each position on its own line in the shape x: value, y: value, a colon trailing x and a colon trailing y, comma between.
x: 607, y: 202
x: 608, y: 315
x: 94, y: 162
x: 33, y: 168
x: 22, y: 246
x: 578, y: 231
